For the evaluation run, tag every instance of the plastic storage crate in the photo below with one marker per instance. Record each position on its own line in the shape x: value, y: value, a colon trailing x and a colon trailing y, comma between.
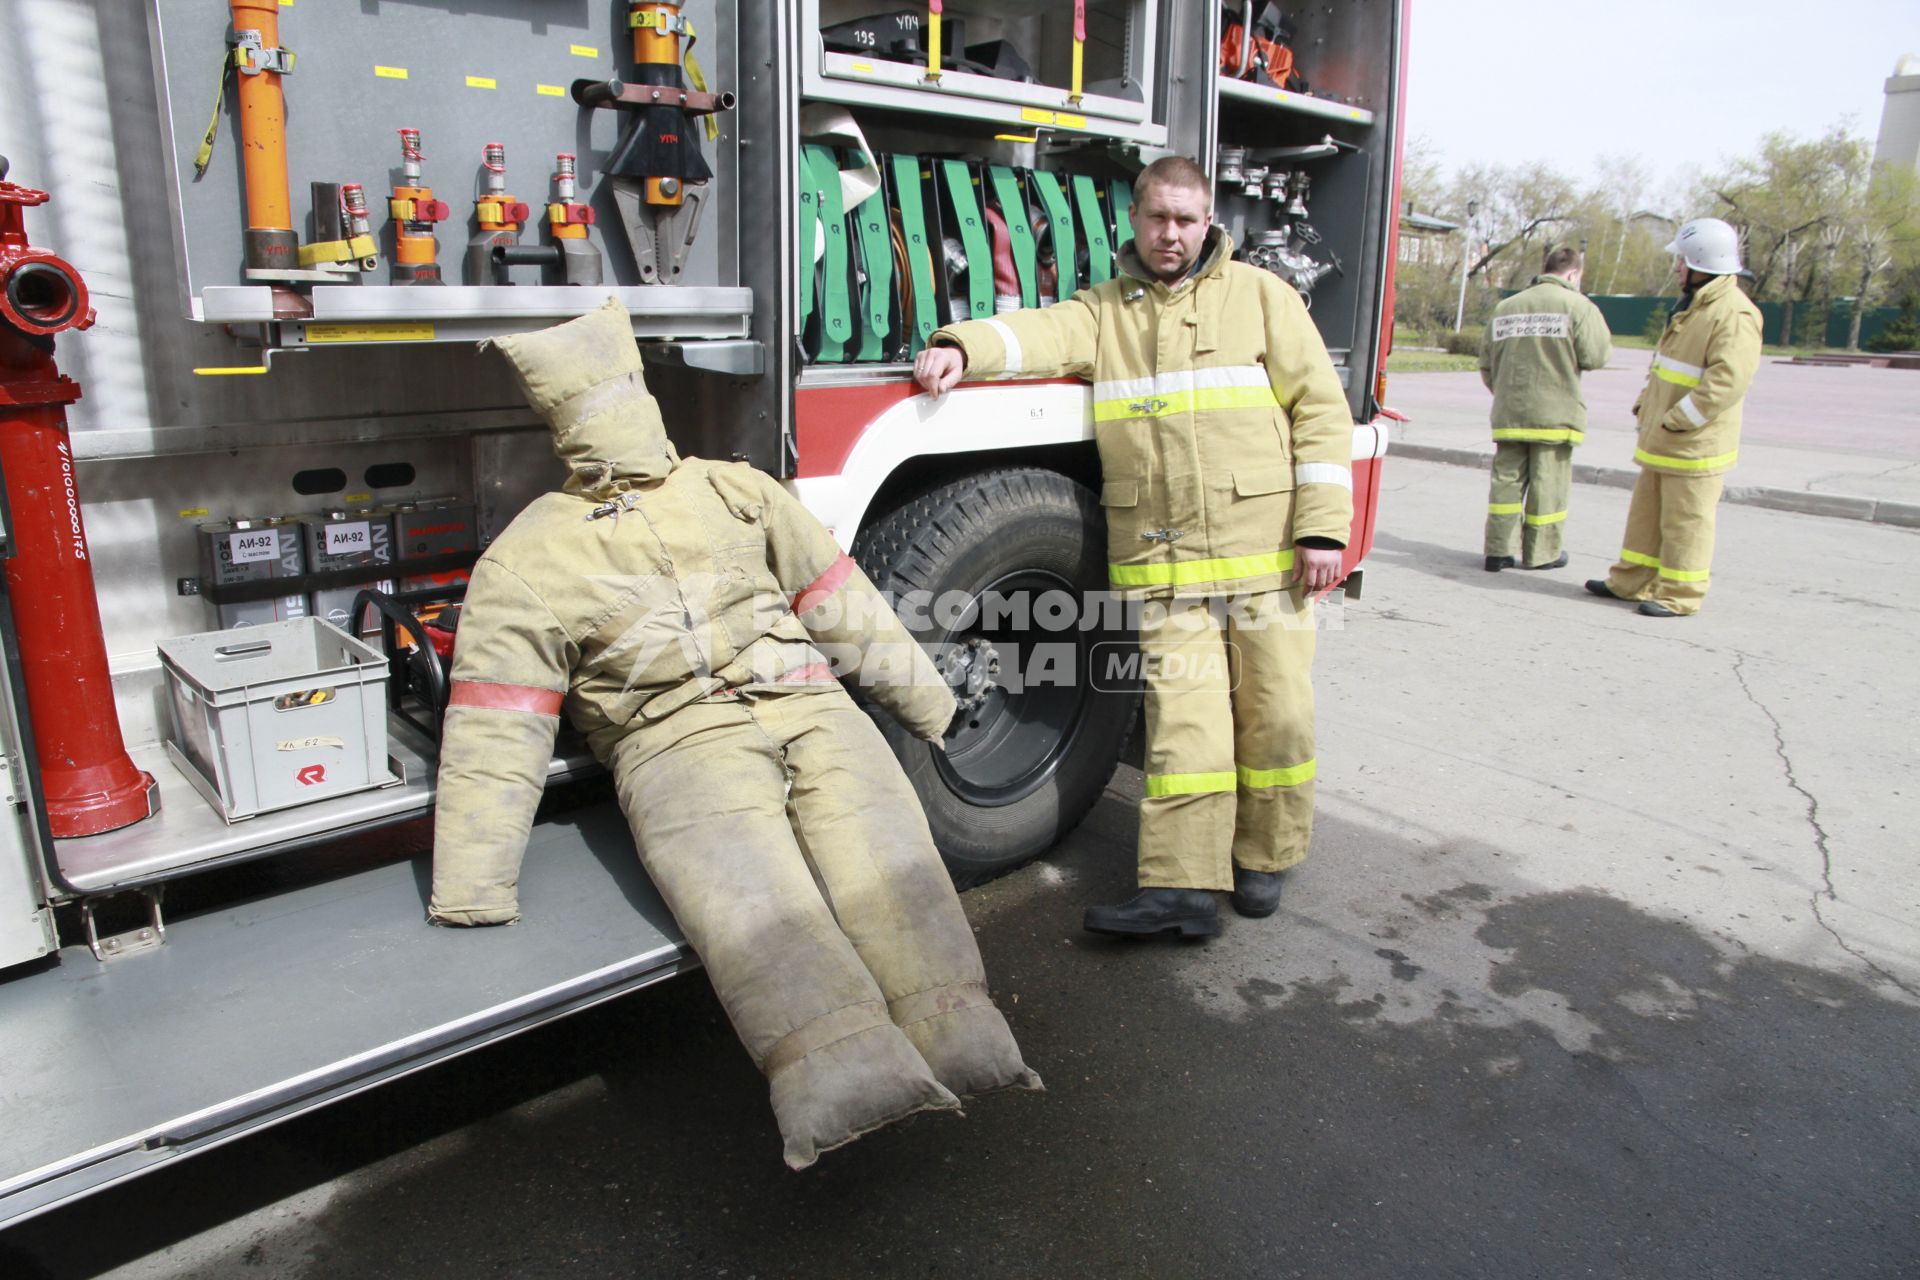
x: 286, y: 713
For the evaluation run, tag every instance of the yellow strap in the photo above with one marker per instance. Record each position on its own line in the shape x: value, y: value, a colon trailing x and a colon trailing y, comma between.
x: 1505, y: 508
x: 1189, y: 784
x: 1079, y: 50
x: 700, y: 86
x: 1659, y: 463
x: 1182, y: 573
x: 204, y: 155
x: 1291, y: 776
x: 933, y: 45
x: 1551, y: 518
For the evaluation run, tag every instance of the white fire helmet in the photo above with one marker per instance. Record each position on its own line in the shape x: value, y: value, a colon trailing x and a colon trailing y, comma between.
x: 1709, y: 246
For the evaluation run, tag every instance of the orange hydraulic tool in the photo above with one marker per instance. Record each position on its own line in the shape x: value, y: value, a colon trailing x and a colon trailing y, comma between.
x: 498, y: 217
x: 272, y: 245
x: 414, y: 211
x: 659, y: 176
x: 571, y: 251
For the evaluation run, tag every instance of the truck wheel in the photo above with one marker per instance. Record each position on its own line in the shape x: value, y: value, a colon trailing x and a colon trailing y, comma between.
x: 992, y: 573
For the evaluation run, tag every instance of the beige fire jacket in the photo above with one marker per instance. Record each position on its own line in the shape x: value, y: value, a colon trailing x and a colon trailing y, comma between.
x: 648, y: 584
x: 1689, y: 411
x: 1224, y: 434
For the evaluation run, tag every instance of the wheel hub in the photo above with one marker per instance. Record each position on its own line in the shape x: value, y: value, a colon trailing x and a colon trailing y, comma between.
x: 971, y: 668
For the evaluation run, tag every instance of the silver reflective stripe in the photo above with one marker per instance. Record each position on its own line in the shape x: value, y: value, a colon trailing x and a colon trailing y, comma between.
x: 1691, y: 411
x: 1182, y: 381
x: 1012, y: 344
x: 1322, y: 473
x: 1664, y: 361
x: 1533, y: 324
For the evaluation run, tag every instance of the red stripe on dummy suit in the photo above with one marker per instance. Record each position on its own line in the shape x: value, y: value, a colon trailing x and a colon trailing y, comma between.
x: 505, y: 697
x: 825, y: 585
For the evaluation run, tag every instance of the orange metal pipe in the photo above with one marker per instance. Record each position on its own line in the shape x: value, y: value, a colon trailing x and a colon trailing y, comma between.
x: 650, y: 44
x: 263, y: 123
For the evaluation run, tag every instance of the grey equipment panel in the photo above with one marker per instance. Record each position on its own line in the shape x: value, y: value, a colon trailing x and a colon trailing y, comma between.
x: 254, y: 1013
x: 464, y: 77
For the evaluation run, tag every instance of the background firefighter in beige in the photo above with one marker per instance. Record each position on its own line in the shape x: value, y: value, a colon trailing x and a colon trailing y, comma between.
x: 1225, y: 450
x: 1539, y: 342
x: 1689, y: 416
x: 689, y: 616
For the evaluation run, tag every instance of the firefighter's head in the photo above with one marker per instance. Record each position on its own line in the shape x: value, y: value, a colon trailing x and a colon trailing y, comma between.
x: 1172, y: 209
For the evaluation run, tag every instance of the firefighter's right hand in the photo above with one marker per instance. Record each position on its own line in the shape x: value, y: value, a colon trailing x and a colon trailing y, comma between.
x: 937, y: 368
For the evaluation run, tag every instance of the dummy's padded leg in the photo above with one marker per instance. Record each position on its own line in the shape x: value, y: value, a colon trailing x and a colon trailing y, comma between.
x: 710, y: 820
x: 859, y: 821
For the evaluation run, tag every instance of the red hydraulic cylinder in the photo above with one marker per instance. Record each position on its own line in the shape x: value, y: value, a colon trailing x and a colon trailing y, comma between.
x: 90, y: 783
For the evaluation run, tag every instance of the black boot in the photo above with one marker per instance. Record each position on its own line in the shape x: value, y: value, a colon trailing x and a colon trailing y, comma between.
x: 1599, y: 587
x: 1256, y: 893
x: 1496, y: 563
x: 1188, y: 913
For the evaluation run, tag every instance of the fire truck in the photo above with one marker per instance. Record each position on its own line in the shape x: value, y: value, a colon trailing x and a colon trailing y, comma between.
x: 250, y: 254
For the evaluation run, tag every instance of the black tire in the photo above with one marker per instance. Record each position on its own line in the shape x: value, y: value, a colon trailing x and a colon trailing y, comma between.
x: 1023, y: 764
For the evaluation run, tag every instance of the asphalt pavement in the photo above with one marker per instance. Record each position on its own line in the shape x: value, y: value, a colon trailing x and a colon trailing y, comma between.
x: 1839, y: 441
x: 1605, y: 964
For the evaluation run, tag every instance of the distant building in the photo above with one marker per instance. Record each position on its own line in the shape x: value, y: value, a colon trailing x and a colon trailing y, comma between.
x: 1423, y: 237
x: 1899, y: 141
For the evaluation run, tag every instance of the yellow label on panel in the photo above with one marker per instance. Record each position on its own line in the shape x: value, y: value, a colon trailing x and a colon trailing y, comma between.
x: 550, y: 91
x: 356, y: 497
x: 391, y: 73
x: 1071, y: 122
x: 481, y: 82
x: 228, y: 370
x: 193, y: 513
x: 1034, y: 115
x: 583, y: 51
x: 864, y: 68
x: 369, y: 333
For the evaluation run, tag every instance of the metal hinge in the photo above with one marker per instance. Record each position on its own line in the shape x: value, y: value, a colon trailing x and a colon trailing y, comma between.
x: 147, y: 937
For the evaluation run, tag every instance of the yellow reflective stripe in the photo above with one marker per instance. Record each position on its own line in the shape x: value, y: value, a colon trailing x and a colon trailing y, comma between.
x: 1654, y: 460
x: 1635, y: 557
x: 1661, y: 360
x: 1186, y: 572
x: 1291, y: 776
x: 1678, y: 379
x: 1189, y: 784
x: 1505, y: 508
x: 1195, y: 401
x: 1683, y: 575
x: 1539, y: 435
x: 1552, y: 517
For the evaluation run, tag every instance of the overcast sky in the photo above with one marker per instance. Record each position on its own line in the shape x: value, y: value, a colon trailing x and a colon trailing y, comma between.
x: 1677, y: 82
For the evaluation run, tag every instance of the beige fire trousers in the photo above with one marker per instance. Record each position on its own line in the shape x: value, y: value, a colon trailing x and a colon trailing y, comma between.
x: 1230, y: 759
x: 1527, y: 500
x: 1668, y: 546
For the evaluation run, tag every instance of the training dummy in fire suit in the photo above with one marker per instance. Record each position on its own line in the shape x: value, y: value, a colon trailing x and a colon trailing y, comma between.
x: 1539, y: 342
x: 1226, y: 453
x: 687, y: 616
x: 1689, y: 418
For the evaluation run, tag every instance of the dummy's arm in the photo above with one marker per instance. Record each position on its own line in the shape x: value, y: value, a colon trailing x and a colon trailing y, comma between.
x: 509, y: 678
x: 842, y: 610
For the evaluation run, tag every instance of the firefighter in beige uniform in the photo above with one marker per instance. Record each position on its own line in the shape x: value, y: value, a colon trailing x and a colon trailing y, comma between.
x: 1225, y: 448
x: 1539, y: 342
x: 1689, y: 415
x: 683, y: 614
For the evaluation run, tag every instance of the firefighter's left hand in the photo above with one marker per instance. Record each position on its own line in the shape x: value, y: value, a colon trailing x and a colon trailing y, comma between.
x: 1316, y: 568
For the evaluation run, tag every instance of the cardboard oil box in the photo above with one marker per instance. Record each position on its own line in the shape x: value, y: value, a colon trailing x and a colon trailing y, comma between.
x: 277, y: 714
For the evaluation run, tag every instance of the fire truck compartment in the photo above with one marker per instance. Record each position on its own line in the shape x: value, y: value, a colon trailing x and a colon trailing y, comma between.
x: 255, y: 1012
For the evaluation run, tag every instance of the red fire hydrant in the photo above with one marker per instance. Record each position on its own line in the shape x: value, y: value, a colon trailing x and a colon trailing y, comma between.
x: 90, y: 783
